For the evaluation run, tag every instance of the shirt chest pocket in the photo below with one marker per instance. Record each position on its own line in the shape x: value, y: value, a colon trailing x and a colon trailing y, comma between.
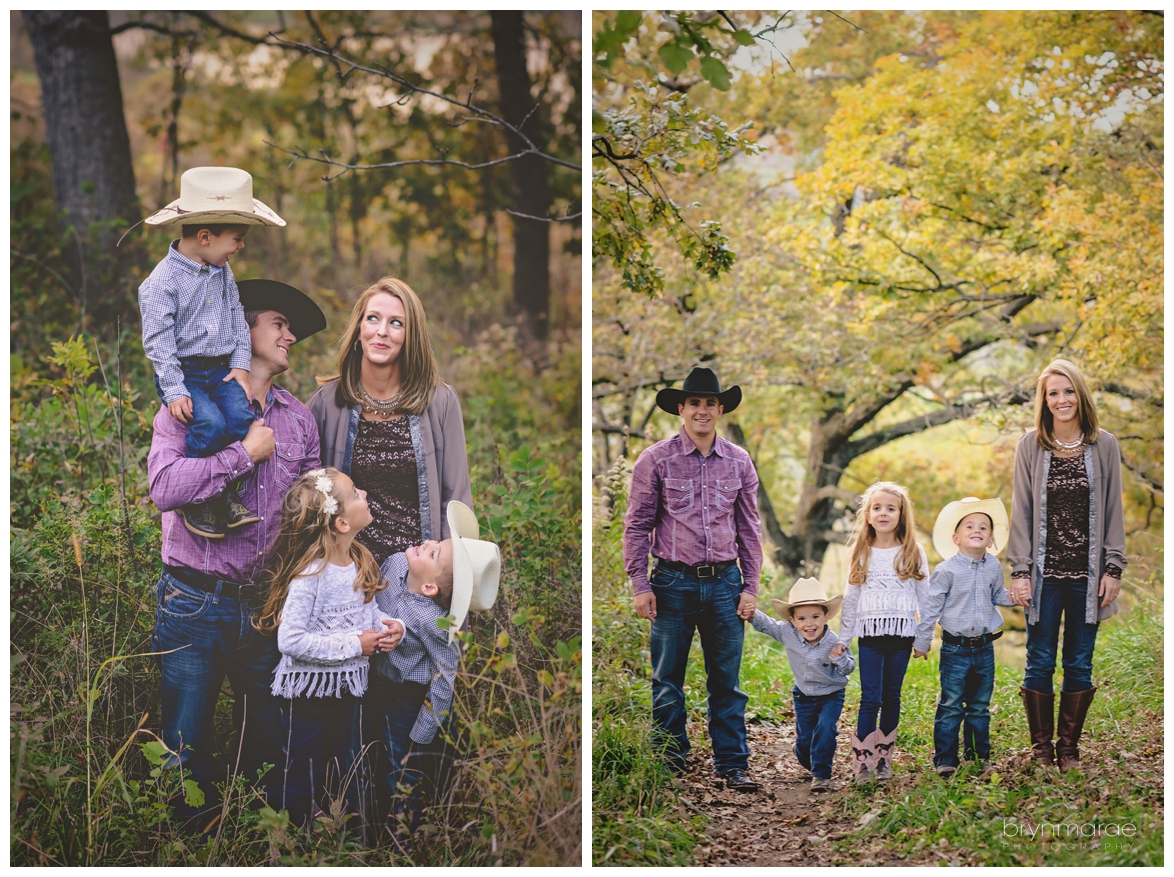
x: 726, y: 493
x: 678, y: 494
x: 288, y: 458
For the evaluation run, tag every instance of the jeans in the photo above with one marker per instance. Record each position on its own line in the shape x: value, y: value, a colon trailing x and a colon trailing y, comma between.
x: 400, y: 776
x: 815, y: 730
x: 1043, y: 637
x: 685, y: 603
x: 214, y: 638
x: 221, y: 413
x: 968, y: 680
x: 316, y: 732
x: 883, y: 661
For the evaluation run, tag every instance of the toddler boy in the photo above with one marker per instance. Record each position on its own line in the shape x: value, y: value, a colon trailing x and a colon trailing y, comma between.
x: 820, y: 664
x: 194, y: 329
x: 963, y: 592
x: 411, y: 692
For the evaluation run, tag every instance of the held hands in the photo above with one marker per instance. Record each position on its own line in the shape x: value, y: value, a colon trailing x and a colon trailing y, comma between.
x: 241, y: 377
x: 394, y: 633
x: 837, y: 650
x: 917, y: 653
x: 370, y: 639
x: 645, y: 605
x: 181, y: 409
x: 746, y: 605
x: 1021, y: 592
x: 1110, y: 588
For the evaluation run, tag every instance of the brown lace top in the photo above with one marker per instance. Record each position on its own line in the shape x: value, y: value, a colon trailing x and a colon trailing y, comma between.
x: 1066, y: 553
x: 383, y: 463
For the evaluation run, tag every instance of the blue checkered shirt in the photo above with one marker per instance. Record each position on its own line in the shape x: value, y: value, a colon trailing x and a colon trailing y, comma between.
x: 190, y: 310
x: 424, y: 654
x: 962, y: 596
x: 815, y: 671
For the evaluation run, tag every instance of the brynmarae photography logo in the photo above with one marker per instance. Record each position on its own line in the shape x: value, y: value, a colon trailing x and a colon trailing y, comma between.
x: 1072, y: 835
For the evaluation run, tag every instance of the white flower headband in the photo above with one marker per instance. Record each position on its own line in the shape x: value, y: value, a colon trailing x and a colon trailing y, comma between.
x: 325, y: 486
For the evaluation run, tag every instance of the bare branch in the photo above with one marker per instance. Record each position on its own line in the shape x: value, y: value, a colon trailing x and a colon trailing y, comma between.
x: 568, y: 218
x: 846, y: 21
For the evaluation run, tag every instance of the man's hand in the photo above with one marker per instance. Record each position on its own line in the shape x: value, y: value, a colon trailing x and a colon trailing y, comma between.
x: 181, y: 409
x: 258, y: 441
x: 645, y: 605
x: 241, y: 377
x: 837, y: 650
x: 1110, y: 588
x: 917, y: 653
x: 746, y: 606
x: 392, y: 636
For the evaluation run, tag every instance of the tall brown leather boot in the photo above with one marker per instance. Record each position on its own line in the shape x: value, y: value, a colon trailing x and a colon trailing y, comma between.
x: 1073, y: 708
x: 1040, y: 708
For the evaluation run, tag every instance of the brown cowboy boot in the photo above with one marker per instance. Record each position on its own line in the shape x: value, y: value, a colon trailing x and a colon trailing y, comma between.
x: 1073, y: 708
x: 1040, y: 709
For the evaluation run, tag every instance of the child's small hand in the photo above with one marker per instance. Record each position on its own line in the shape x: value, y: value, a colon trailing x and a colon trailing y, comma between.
x: 837, y: 650
x: 393, y: 634
x: 369, y: 639
x: 181, y: 409
x: 241, y: 377
x: 917, y: 653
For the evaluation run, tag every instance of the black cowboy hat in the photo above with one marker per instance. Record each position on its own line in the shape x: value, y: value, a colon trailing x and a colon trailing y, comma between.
x: 305, y: 317
x: 701, y: 382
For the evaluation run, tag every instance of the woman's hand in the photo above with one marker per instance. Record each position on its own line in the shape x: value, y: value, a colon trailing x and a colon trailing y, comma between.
x: 1110, y: 588
x: 1021, y: 592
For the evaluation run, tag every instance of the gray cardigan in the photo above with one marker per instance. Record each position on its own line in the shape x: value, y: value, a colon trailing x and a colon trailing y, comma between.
x: 1029, y: 520
x: 438, y: 436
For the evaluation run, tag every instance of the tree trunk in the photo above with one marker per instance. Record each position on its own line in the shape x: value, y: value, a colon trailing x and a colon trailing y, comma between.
x: 93, y: 179
x: 528, y: 175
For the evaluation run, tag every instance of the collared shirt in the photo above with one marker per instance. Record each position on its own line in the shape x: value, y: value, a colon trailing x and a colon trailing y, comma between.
x: 815, y: 671
x: 962, y: 596
x: 177, y: 480
x: 692, y: 509
x: 424, y: 655
x: 191, y: 310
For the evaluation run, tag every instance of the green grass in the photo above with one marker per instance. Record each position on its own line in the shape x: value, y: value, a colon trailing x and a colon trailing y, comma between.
x: 921, y: 819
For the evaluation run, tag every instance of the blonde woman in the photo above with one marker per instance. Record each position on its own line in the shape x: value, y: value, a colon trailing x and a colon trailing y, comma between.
x: 1067, y: 553
x: 887, y: 575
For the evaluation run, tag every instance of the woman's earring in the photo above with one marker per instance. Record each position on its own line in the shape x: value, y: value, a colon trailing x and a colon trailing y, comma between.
x: 357, y: 345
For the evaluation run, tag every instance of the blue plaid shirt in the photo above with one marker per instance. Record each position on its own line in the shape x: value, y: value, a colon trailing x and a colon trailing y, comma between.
x: 424, y: 654
x: 190, y: 310
x: 815, y: 671
x: 962, y: 596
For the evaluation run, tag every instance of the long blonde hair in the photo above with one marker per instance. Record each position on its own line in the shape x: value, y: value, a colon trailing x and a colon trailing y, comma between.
x: 1086, y: 409
x: 303, y: 546
x: 908, y: 563
x: 419, y: 373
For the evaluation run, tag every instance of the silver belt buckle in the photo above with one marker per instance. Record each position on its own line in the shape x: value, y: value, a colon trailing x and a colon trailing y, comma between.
x: 701, y: 571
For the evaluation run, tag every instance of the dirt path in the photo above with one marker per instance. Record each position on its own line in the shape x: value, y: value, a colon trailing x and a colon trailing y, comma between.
x: 784, y: 823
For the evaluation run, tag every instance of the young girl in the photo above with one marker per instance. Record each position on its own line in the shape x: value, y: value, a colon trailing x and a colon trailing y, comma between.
x: 322, y: 585
x: 887, y: 576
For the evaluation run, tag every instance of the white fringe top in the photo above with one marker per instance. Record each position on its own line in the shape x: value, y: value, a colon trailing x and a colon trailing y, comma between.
x: 318, y: 636
x: 886, y: 604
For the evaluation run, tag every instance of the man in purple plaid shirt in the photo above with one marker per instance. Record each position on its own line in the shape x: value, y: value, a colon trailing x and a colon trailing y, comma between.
x: 209, y: 589
x: 693, y: 503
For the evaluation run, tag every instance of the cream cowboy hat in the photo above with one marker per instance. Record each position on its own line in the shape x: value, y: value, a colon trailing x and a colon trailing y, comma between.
x: 952, y: 515
x: 808, y: 592
x: 220, y: 195
x: 476, y: 566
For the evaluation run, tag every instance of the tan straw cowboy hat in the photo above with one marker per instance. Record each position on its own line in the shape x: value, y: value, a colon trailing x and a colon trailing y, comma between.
x: 476, y: 566
x: 217, y: 195
x: 952, y: 515
x: 808, y: 592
